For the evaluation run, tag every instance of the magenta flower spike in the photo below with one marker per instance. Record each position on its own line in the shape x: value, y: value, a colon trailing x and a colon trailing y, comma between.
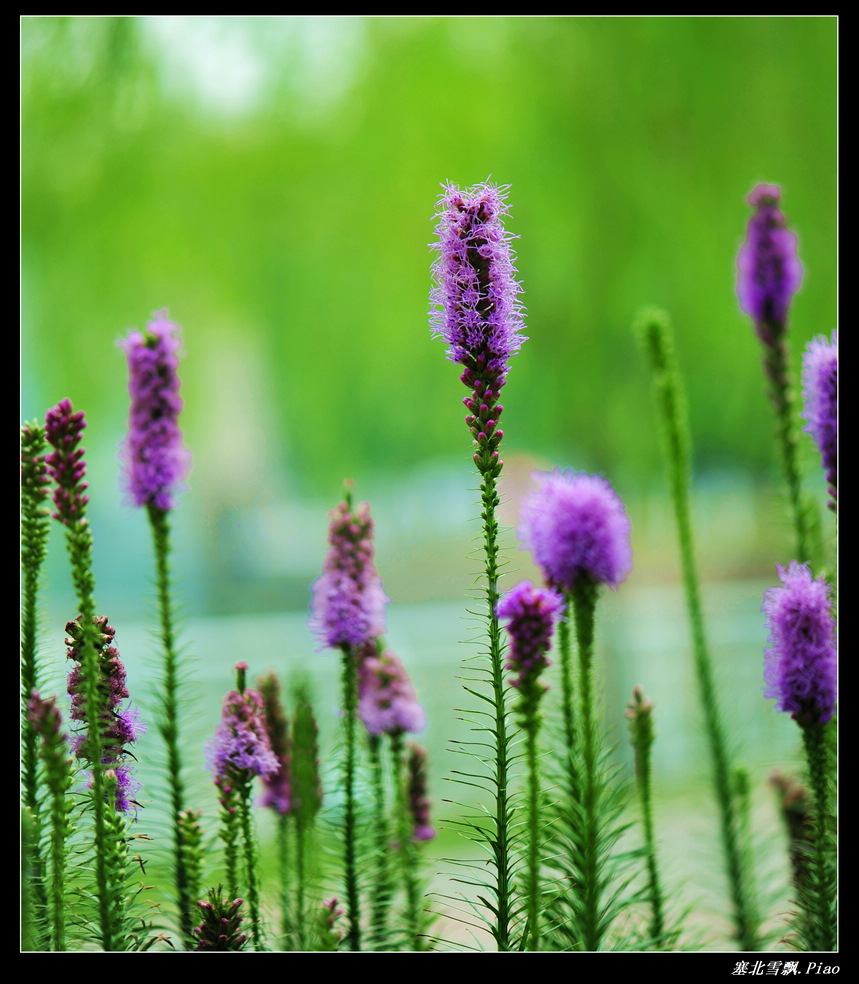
x: 531, y: 614
x: 575, y: 525
x: 156, y: 462
x: 475, y: 306
x: 800, y: 663
x: 66, y: 464
x: 241, y: 748
x: 768, y: 267
x: 820, y: 395
x: 387, y: 702
x: 348, y: 607
x: 419, y: 803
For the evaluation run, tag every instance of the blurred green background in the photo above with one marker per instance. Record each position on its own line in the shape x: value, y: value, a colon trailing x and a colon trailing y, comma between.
x: 272, y: 182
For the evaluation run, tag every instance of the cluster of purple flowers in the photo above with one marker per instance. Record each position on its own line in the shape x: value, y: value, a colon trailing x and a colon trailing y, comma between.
x: 387, y: 702
x: 475, y: 306
x: 820, y: 393
x: 531, y: 614
x: 348, y: 599
x: 768, y: 267
x: 119, y: 726
x: 156, y: 460
x: 575, y: 525
x: 241, y: 748
x: 800, y: 663
x: 66, y: 465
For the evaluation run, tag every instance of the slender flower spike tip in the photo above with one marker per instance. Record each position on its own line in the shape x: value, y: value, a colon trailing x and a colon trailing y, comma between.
x: 475, y: 306
x: 66, y: 465
x: 156, y: 462
x: 419, y: 804
x: 531, y: 614
x: 820, y: 394
x: 387, y: 702
x: 349, y: 602
x: 277, y: 795
x: 575, y: 525
x: 241, y: 748
x: 800, y: 663
x: 769, y: 271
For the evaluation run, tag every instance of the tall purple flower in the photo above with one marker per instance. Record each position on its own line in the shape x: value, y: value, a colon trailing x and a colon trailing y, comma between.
x: 820, y: 393
x: 66, y: 465
x: 419, y: 803
x: 531, y: 614
x: 348, y: 607
x: 120, y: 725
x: 475, y: 306
x: 575, y: 525
x: 387, y: 701
x: 241, y: 748
x: 800, y: 663
x: 277, y: 793
x: 769, y: 271
x: 155, y: 459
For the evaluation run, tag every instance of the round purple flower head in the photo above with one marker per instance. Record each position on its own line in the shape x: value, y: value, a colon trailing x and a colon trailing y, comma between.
x: 387, y: 701
x: 800, y: 663
x: 768, y: 267
x: 241, y: 748
x: 820, y: 393
x: 474, y: 305
x: 531, y: 614
x: 575, y: 525
x: 348, y: 607
x: 156, y: 461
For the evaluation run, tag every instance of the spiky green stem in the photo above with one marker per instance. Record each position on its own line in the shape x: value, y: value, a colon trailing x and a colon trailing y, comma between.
x: 381, y: 888
x: 350, y: 705
x: 533, y: 837
x: 656, y: 337
x: 251, y: 852
x: 819, y: 898
x: 168, y: 724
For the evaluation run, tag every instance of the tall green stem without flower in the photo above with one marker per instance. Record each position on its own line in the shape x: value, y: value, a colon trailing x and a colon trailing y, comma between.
x: 654, y: 332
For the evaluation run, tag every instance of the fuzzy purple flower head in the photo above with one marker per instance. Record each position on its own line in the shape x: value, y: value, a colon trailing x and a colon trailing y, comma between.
x: 156, y: 461
x: 348, y: 607
x: 531, y: 614
x: 241, y: 748
x: 474, y: 304
x: 768, y: 267
x: 387, y: 701
x: 575, y: 525
x: 820, y: 395
x: 801, y: 662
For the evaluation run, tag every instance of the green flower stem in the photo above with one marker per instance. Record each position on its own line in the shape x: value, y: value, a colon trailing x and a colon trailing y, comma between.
x: 501, y: 840
x: 381, y: 886
x: 407, y: 846
x: 583, y: 600
x: 284, y: 865
x: 168, y: 724
x: 300, y: 880
x: 821, y: 893
x: 533, y: 834
x: 782, y: 398
x: 251, y: 853
x: 350, y: 705
x: 671, y: 404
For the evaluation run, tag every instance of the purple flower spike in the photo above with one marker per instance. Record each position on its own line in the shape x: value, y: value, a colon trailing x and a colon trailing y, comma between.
x: 769, y: 271
x: 387, y: 703
x: 241, y: 748
x: 475, y: 306
x: 820, y: 393
x: 800, y: 663
x: 66, y: 465
x: 531, y: 614
x: 349, y: 602
x: 156, y: 462
x: 575, y: 525
x: 419, y: 804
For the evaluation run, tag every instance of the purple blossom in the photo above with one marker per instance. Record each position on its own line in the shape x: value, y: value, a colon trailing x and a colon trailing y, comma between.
x: 769, y: 271
x: 66, y: 465
x: 120, y: 725
x: 575, y: 525
x: 348, y: 607
x: 474, y: 304
x: 820, y: 393
x: 387, y: 702
x: 531, y: 614
x: 156, y: 462
x: 419, y: 804
x: 800, y: 663
x: 241, y: 748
